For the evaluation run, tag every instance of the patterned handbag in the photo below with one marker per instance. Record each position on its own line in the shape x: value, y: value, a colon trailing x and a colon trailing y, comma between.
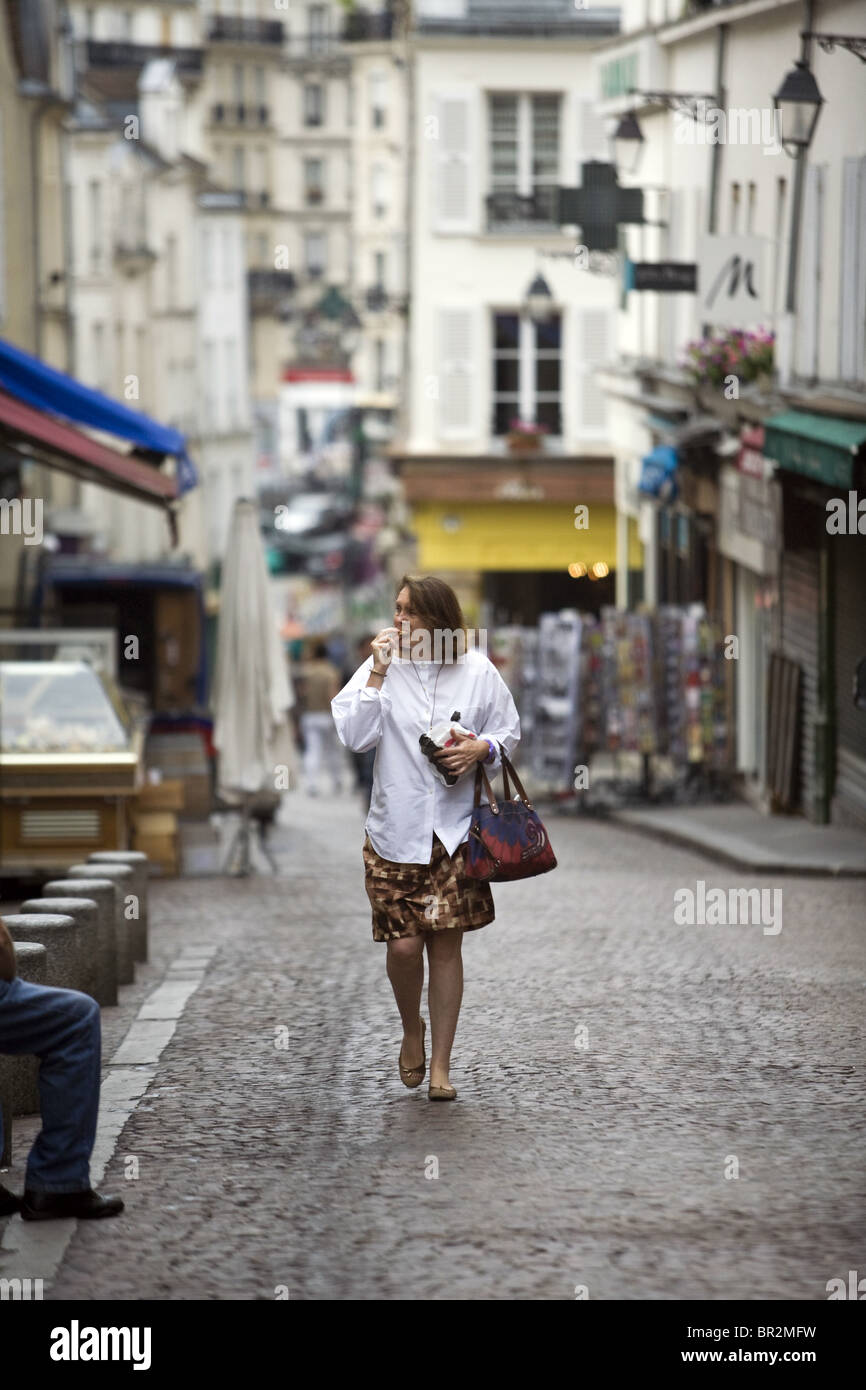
x: 506, y: 838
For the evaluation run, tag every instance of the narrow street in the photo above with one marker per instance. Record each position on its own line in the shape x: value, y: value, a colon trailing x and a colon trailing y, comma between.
x: 571, y: 1158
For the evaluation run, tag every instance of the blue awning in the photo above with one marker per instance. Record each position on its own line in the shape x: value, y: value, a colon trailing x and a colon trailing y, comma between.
x: 658, y: 476
x: 49, y: 390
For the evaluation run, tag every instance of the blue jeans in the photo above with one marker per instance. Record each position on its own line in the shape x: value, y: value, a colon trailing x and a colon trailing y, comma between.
x: 62, y: 1028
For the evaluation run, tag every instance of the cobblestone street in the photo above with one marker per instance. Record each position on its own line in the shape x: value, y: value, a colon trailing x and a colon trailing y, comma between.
x: 560, y: 1165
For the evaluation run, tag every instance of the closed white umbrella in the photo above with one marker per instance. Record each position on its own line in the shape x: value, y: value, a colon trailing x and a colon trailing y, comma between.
x: 252, y: 692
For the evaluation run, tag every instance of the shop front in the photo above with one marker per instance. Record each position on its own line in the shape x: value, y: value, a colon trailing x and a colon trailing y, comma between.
x: 822, y: 598
x: 748, y: 538
x: 520, y: 559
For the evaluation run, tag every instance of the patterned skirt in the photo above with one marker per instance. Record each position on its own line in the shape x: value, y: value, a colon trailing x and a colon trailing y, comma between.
x: 409, y: 899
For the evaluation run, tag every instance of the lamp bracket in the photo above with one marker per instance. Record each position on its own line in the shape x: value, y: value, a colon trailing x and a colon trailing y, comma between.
x: 853, y: 43
x: 694, y: 104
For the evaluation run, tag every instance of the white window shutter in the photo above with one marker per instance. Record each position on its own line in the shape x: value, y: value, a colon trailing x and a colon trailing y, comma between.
x: 455, y: 164
x: 456, y: 373
x: 852, y: 274
x: 2, y: 228
x: 810, y: 273
x: 594, y: 339
x: 592, y: 140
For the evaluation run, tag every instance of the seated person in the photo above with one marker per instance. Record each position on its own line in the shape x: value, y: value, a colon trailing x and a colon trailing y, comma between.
x: 62, y: 1028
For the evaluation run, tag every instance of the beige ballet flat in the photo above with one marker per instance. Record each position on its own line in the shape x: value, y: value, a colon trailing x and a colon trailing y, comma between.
x: 441, y: 1093
x: 413, y: 1076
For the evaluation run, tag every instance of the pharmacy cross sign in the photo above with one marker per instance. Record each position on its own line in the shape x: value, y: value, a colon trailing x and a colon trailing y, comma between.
x: 599, y: 206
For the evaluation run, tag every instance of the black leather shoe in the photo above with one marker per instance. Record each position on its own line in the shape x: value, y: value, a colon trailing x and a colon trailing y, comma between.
x: 9, y: 1203
x: 53, y: 1206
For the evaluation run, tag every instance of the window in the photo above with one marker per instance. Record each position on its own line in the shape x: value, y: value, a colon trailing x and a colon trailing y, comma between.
x: 90, y: 22
x: 314, y: 104
x: 259, y: 84
x: 126, y: 26
x: 751, y: 207
x: 238, y: 83
x: 317, y: 31
x: 95, y: 201
x: 238, y: 169
x: 378, y: 99
x: 263, y: 180
x: 262, y: 249
x: 526, y: 372
x: 523, y: 157
x: 314, y: 253
x: 379, y: 270
x: 98, y: 342
x: 170, y: 270
x: 379, y: 189
x: 379, y: 364
x: 314, y: 181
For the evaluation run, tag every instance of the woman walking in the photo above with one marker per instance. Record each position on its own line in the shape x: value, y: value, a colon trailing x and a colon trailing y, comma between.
x: 420, y: 674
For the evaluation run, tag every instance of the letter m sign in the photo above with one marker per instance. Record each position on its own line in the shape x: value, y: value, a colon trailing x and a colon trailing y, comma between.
x: 733, y: 286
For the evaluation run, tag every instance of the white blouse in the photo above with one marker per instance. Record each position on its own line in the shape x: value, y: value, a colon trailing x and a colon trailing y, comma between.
x: 409, y: 803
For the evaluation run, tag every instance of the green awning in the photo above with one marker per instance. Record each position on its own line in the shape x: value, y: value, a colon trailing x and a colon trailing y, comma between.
x: 822, y: 447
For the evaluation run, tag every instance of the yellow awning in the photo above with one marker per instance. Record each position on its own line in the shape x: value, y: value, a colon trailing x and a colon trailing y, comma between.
x: 516, y: 536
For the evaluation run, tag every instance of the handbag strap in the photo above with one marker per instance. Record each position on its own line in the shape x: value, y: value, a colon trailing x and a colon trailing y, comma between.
x: 481, y: 775
x: 508, y: 766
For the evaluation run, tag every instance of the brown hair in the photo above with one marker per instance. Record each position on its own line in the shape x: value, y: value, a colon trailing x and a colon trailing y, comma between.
x: 435, y: 602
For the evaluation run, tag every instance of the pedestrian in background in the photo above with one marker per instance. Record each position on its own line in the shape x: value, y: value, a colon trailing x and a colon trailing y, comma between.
x: 320, y: 683
x: 417, y: 826
x: 365, y: 760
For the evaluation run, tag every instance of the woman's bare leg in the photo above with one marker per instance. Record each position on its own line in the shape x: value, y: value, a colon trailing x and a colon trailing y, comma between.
x: 444, y: 994
x: 405, y: 966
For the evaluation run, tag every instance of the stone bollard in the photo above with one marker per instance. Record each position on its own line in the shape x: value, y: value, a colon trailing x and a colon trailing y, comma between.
x: 121, y: 877
x: 139, y: 863
x: 19, y: 1075
x: 62, y: 938
x: 85, y: 912
x: 104, y: 894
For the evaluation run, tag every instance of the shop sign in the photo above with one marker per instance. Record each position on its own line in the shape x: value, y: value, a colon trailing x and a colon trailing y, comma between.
x: 751, y: 456
x: 668, y: 277
x: 749, y: 529
x: 734, y: 286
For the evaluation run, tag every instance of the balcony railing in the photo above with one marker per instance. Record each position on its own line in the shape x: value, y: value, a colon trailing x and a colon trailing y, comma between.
x: 252, y: 198
x: 135, y: 55
x: 270, y: 291
x: 230, y: 29
x: 363, y: 25
x: 239, y: 113
x: 507, y: 211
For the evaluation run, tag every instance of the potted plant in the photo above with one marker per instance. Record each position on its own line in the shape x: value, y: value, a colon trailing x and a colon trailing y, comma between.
x: 525, y: 436
x: 747, y: 356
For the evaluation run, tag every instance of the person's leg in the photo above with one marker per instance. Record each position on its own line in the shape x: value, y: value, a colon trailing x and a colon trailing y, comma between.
x: 312, y: 751
x: 335, y: 754
x: 62, y: 1028
x: 405, y: 967
x: 444, y: 995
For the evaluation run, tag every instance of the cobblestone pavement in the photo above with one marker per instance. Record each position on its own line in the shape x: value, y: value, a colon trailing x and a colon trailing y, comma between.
x: 559, y: 1166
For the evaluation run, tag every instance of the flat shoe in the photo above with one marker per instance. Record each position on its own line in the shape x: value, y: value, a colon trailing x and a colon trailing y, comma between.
x: 441, y: 1093
x: 9, y: 1203
x: 413, y: 1076
x: 56, y: 1206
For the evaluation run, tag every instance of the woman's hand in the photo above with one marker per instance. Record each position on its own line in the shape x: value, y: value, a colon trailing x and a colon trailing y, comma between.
x: 383, y: 645
x: 467, y: 751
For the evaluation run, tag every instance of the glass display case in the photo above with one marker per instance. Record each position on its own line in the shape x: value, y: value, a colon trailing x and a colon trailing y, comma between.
x: 70, y: 759
x: 59, y: 707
